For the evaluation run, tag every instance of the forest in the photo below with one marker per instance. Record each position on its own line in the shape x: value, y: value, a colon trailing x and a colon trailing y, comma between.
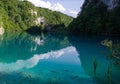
x: 19, y: 15
x: 96, y: 18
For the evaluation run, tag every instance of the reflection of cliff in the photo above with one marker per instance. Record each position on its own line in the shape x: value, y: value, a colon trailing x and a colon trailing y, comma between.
x: 23, y: 46
x: 93, y: 60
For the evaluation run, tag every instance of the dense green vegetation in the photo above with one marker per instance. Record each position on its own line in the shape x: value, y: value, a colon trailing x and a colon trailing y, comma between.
x: 18, y: 15
x: 95, y: 18
x: 54, y: 17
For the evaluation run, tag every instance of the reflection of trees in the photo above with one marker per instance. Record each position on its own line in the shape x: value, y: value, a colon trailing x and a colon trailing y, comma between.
x: 114, y: 50
x: 114, y: 55
x: 109, y: 74
x: 23, y: 46
x: 101, y: 69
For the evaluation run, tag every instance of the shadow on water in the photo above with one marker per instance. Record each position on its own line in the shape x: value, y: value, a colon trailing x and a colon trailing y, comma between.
x: 34, y: 30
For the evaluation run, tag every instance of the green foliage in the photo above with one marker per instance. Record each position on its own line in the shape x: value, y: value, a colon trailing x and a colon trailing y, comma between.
x: 54, y: 18
x: 96, y: 18
x: 18, y: 15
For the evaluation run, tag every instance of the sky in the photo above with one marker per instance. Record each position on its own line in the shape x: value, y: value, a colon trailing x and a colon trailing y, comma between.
x: 69, y: 7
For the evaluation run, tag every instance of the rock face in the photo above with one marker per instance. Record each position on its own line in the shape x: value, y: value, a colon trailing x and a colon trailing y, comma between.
x: 33, y: 12
x: 40, y: 20
x: 111, y: 3
x: 1, y: 30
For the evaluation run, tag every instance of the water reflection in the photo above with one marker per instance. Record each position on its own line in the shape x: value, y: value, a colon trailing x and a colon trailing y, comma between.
x: 48, y: 58
x: 23, y: 45
x: 95, y: 64
x: 33, y: 61
x: 100, y: 68
x: 109, y: 74
x: 40, y: 59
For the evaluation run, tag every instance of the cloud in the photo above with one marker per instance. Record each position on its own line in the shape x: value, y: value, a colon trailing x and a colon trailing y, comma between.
x: 54, y: 6
x: 33, y: 61
x: 58, y: 7
x: 73, y: 13
x: 46, y: 4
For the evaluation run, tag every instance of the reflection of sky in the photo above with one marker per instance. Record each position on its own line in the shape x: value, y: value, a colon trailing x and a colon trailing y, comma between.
x: 68, y: 53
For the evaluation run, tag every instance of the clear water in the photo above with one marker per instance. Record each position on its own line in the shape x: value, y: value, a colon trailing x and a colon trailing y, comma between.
x: 55, y: 59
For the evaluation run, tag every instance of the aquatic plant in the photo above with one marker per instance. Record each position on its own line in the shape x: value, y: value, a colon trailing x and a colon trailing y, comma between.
x: 114, y: 49
x: 95, y: 65
x: 109, y: 74
x: 52, y: 81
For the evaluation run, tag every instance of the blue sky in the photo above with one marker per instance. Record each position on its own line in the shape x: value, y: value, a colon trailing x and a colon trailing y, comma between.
x: 69, y: 7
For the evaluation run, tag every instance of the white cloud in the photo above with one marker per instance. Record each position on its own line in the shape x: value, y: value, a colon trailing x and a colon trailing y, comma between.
x: 33, y: 61
x: 54, y: 6
x: 73, y: 13
x: 58, y: 7
x: 35, y: 2
x: 46, y: 4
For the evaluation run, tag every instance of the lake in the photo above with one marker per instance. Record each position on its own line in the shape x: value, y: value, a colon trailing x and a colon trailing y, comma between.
x: 56, y: 59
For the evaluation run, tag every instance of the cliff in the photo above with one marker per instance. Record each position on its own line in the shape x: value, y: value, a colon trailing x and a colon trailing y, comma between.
x: 111, y: 3
x: 97, y: 17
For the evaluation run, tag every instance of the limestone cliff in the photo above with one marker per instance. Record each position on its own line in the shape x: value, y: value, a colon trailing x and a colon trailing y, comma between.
x: 111, y: 3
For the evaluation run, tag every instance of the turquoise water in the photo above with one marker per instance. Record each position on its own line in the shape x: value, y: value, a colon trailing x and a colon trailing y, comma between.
x: 55, y: 59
